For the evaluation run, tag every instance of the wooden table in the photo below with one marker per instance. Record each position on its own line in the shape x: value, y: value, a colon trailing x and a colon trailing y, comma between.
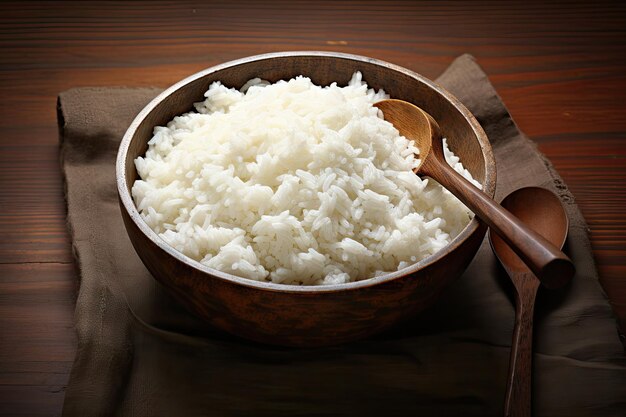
x: 560, y: 69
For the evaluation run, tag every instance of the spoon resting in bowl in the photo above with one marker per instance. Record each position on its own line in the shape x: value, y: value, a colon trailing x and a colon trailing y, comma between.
x: 546, y: 261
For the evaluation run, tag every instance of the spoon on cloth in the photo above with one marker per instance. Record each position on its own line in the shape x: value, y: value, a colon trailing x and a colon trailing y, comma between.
x: 542, y: 211
x: 548, y: 263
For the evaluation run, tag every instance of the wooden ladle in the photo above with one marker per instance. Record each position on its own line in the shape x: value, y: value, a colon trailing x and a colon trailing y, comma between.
x: 549, y: 264
x: 542, y: 211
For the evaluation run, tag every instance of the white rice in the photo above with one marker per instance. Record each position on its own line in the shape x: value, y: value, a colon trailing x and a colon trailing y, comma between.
x: 294, y: 183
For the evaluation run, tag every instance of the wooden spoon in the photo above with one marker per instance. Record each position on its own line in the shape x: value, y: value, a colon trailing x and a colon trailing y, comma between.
x: 549, y: 264
x: 542, y: 211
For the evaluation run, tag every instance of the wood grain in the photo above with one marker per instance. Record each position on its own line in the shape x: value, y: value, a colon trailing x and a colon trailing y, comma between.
x: 518, y: 401
x: 560, y: 67
x: 553, y: 224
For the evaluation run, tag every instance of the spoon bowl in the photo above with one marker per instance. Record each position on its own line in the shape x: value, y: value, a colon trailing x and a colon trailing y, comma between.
x: 539, y: 209
x: 417, y: 125
x: 549, y: 264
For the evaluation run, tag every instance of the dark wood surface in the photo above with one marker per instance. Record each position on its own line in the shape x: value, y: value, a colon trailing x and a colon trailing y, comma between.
x: 560, y: 68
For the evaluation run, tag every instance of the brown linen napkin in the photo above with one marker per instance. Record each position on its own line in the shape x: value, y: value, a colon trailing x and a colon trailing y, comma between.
x: 151, y: 358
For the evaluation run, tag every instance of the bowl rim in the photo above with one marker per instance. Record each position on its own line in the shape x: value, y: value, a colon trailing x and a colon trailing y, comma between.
x: 129, y: 205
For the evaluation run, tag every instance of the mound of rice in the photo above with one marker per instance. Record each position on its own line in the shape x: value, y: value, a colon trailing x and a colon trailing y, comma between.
x: 293, y: 183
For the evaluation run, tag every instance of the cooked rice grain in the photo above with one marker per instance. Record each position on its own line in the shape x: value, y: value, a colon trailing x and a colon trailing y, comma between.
x: 293, y: 183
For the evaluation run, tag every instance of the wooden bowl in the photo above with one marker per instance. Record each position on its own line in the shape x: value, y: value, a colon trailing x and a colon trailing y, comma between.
x: 306, y: 316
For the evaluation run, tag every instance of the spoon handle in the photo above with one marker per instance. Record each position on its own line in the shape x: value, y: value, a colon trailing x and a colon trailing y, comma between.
x: 519, y: 387
x: 549, y: 264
